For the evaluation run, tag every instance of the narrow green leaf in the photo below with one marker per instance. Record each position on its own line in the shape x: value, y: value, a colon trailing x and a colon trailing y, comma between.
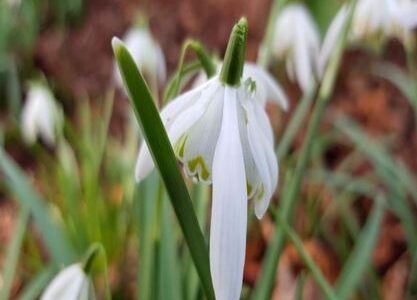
x: 358, y: 261
x: 147, y: 193
x: 294, y: 125
x: 169, y: 269
x: 165, y: 160
x: 13, y: 253
x: 52, y: 234
x: 400, y: 79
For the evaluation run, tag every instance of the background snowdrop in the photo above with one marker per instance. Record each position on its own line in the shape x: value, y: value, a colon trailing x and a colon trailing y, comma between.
x: 296, y: 41
x: 72, y: 283
x: 40, y: 115
x: 374, y: 21
x: 147, y: 54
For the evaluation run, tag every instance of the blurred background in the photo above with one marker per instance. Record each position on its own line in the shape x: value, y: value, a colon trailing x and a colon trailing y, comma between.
x: 67, y: 43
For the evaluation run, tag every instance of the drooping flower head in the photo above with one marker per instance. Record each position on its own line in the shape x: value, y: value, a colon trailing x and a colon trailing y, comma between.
x: 296, y: 41
x: 147, y: 54
x: 41, y: 117
x: 374, y: 22
x: 72, y: 283
x: 222, y: 135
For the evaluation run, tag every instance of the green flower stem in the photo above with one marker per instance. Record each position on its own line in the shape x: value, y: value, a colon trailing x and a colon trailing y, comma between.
x: 205, y: 60
x: 265, y: 48
x: 234, y: 59
x: 294, y: 125
x: 96, y: 251
x: 267, y: 279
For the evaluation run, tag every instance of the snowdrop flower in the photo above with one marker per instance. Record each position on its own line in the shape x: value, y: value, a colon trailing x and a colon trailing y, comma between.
x: 373, y: 21
x: 222, y: 135
x: 147, y: 54
x: 40, y: 116
x: 297, y: 42
x: 72, y: 283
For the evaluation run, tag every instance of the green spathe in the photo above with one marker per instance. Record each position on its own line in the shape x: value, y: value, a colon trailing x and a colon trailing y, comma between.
x: 234, y: 58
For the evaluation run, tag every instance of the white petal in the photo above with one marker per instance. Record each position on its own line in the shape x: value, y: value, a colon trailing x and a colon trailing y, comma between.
x: 265, y: 161
x: 303, y: 63
x: 261, y: 77
x: 201, y: 140
x: 187, y: 118
x: 68, y: 284
x: 144, y: 163
x: 331, y: 38
x: 229, y: 208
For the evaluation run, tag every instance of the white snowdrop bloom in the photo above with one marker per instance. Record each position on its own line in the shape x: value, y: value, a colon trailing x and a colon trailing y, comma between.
x: 147, y: 54
x: 222, y: 135
x: 72, y: 283
x: 374, y: 21
x: 40, y: 115
x: 296, y: 41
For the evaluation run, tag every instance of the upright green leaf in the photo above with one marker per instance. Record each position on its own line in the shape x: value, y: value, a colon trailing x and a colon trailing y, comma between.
x: 357, y: 263
x: 52, y: 234
x: 165, y: 160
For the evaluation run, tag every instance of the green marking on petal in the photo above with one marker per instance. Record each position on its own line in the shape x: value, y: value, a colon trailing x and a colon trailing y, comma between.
x: 180, y: 146
x: 261, y: 193
x: 199, y: 162
x: 249, y: 188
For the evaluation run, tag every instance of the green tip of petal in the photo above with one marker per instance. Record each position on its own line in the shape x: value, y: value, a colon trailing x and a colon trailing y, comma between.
x: 234, y: 58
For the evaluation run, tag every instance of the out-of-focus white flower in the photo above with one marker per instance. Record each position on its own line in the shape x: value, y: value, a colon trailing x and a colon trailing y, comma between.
x: 72, y: 283
x: 40, y: 116
x: 297, y: 42
x: 373, y: 20
x: 147, y: 54
x: 222, y: 135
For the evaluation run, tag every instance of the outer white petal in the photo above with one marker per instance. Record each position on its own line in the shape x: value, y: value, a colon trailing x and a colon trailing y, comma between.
x: 229, y: 208
x: 262, y: 77
x: 144, y: 162
x: 200, y: 144
x: 331, y: 37
x: 303, y: 63
x: 265, y: 161
x: 68, y: 284
x: 188, y: 117
x: 40, y: 116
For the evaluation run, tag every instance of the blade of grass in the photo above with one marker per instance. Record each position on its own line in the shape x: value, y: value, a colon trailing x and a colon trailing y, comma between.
x: 352, y: 272
x: 147, y: 193
x: 165, y: 160
x: 200, y: 196
x: 52, y: 234
x: 294, y: 125
x: 13, y: 253
x: 169, y: 269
